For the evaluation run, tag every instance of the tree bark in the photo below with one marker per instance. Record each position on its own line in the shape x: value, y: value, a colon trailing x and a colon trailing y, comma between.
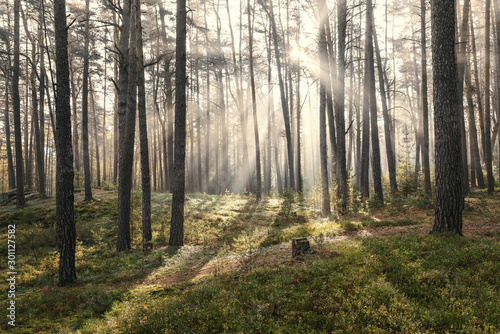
x: 284, y: 105
x: 85, y: 108
x: 323, y: 53
x: 376, y: 168
x: 96, y: 137
x: 478, y: 89
x: 425, y: 103
x: 76, y: 148
x: 476, y: 171
x: 488, y: 154
x: 254, y: 105
x: 391, y: 159
x: 17, y: 111
x: 207, y: 120
x: 125, y: 154
x: 177, y: 222
x: 497, y: 27
x: 65, y: 215
x: 461, y: 58
x: 41, y: 120
x: 143, y: 133
x: 339, y: 110
x: 10, y: 162
x: 449, y: 191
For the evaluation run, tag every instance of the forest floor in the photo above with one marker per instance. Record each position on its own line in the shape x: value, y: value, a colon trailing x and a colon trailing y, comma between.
x: 372, y: 270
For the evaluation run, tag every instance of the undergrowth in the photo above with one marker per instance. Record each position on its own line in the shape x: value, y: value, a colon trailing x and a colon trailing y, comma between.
x: 400, y: 284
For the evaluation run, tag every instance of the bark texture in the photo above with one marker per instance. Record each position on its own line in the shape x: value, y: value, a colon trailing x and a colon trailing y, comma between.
x: 449, y: 192
x: 177, y: 222
x: 65, y: 213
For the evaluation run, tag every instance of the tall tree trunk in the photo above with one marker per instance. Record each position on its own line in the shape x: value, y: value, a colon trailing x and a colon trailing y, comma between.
x: 284, y: 105
x: 478, y: 88
x: 17, y: 111
x: 246, y: 179
x: 207, y: 120
x: 270, y: 115
x: 177, y: 222
x: 449, y: 191
x: 96, y: 138
x: 497, y: 27
x: 65, y: 214
x: 298, y: 160
x: 340, y: 105
x: 42, y: 104
x: 199, y: 180
x: 391, y: 159
x: 116, y: 135
x: 476, y: 171
x: 254, y: 105
x: 417, y: 118
x: 365, y: 149
x: 331, y: 90
x: 168, y: 127
x: 376, y: 168
x: 461, y: 58
x: 10, y: 163
x: 425, y: 103
x: 325, y: 207
x: 10, y: 160
x: 125, y: 154
x: 76, y: 147
x: 488, y: 154
x: 36, y: 125
x: 85, y: 107
x: 104, y: 177
x: 143, y: 133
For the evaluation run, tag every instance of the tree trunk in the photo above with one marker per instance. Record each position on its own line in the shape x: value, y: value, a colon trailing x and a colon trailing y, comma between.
x: 284, y: 105
x: 115, y: 118
x: 126, y: 88
x: 10, y: 160
x: 96, y: 138
x: 177, y: 222
x: 478, y: 89
x: 497, y: 27
x: 199, y: 180
x: 65, y: 215
x: 325, y: 208
x: 476, y: 171
x: 331, y: 89
x: 376, y: 169
x: 449, y: 191
x: 488, y: 154
x: 391, y: 159
x: 461, y: 58
x: 254, y: 105
x: 17, y: 111
x: 85, y: 108
x: 76, y: 148
x: 365, y: 149
x: 207, y: 119
x: 42, y: 105
x: 425, y: 103
x: 245, y: 174
x: 340, y: 106
x: 143, y: 133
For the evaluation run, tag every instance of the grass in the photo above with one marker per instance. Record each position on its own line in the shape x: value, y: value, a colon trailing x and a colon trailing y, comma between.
x: 235, y: 273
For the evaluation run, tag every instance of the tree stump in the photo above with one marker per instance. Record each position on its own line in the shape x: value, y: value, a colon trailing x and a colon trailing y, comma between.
x: 300, y: 246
